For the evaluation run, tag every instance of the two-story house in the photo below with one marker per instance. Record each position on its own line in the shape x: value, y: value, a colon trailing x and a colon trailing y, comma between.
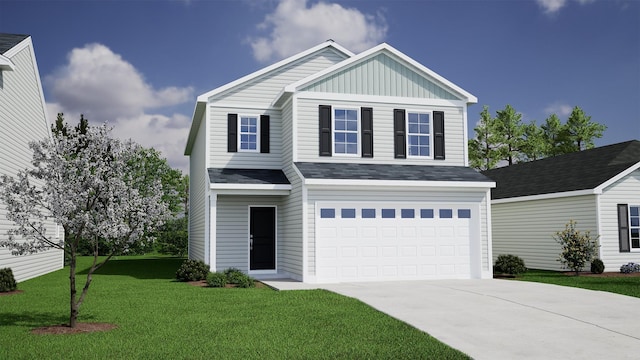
x: 330, y: 167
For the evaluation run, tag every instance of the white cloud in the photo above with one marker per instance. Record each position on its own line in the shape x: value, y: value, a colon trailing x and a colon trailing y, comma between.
x: 558, y: 108
x: 103, y: 86
x: 552, y: 7
x: 294, y: 27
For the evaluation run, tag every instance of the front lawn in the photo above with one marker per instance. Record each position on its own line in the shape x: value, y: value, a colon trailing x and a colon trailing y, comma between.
x: 158, y: 318
x: 625, y: 284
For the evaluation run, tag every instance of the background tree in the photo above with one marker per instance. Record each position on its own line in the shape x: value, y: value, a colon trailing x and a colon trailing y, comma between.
x: 510, y: 132
x: 533, y: 145
x: 484, y: 149
x: 91, y: 189
x: 581, y: 131
x: 553, y: 136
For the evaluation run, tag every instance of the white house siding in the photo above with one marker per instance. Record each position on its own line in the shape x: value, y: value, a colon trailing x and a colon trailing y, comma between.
x: 527, y: 228
x: 383, y: 146
x: 232, y: 233
x: 221, y: 158
x: 198, y: 200
x: 263, y: 90
x: 623, y: 191
x: 23, y: 119
x: 381, y: 75
x: 396, y: 196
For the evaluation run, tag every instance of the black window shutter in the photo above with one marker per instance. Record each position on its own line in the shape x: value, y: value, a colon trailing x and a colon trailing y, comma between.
x: 232, y: 132
x: 623, y: 227
x: 399, y: 134
x: 438, y: 136
x: 366, y: 121
x: 325, y: 130
x: 264, y: 133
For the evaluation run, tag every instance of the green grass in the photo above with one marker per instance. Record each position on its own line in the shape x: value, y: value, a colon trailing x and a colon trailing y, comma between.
x: 159, y: 318
x: 625, y: 285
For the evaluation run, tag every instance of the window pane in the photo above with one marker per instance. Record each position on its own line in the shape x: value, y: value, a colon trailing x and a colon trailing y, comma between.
x: 340, y: 125
x: 424, y: 129
x: 413, y: 128
x: 414, y: 151
x: 348, y: 213
x: 252, y: 138
x: 414, y: 140
x: 340, y: 149
x: 352, y: 114
x: 388, y: 213
x: 446, y: 213
x: 352, y: 138
x: 413, y: 118
x: 339, y: 114
x: 426, y: 213
x: 424, y: 151
x: 352, y: 149
x: 352, y: 125
x: 340, y: 137
x: 368, y: 213
x: 407, y: 213
x: 634, y: 210
x: 424, y: 118
x: 635, y: 243
x: 327, y: 213
x: 464, y: 214
x: 635, y: 233
x: 635, y: 221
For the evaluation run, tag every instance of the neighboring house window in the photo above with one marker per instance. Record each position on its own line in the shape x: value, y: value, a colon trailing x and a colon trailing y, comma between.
x: 248, y: 133
x: 634, y: 226
x: 418, y: 134
x: 345, y: 131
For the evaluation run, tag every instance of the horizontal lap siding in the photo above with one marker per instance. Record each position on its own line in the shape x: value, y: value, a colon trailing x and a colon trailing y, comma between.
x: 624, y: 191
x: 198, y: 196
x: 383, y: 146
x: 394, y: 196
x: 22, y: 119
x: 527, y: 228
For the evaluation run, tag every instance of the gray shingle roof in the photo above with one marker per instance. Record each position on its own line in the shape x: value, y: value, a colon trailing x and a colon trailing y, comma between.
x: 388, y: 172
x: 7, y: 41
x: 576, y: 171
x: 246, y: 176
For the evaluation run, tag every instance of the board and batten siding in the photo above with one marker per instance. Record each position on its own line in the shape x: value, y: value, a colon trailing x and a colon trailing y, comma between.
x: 263, y: 90
x: 623, y: 191
x: 381, y: 75
x: 527, y: 228
x: 198, y: 199
x: 383, y: 135
x: 394, y: 197
x: 23, y: 119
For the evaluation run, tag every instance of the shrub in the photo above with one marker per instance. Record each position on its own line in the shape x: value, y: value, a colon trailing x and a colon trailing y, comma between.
x: 577, y: 248
x: 237, y: 277
x: 630, y: 268
x: 192, y: 270
x: 216, y: 279
x: 597, y: 266
x: 7, y: 281
x: 510, y: 264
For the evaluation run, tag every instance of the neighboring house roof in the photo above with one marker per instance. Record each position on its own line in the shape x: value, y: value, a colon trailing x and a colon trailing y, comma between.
x: 344, y: 171
x: 583, y: 170
x: 7, y: 41
x: 247, y: 176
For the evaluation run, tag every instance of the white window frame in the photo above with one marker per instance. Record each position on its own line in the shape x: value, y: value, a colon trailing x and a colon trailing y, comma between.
x: 631, y: 248
x: 257, y: 117
x: 333, y: 131
x: 430, y: 135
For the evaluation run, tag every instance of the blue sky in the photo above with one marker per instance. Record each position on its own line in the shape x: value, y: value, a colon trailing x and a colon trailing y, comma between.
x: 140, y: 64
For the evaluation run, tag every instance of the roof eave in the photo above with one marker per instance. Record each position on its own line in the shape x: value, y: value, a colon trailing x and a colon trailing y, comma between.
x: 198, y: 113
x: 6, y: 64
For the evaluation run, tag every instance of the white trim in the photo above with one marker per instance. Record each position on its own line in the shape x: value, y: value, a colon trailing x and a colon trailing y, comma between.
x: 250, y: 186
x: 465, y: 135
x: 6, y: 64
x: 396, y: 100
x: 399, y: 183
x: 205, y: 97
x: 239, y: 134
x: 275, y: 241
x: 488, y: 273
x: 294, y: 129
x: 545, y: 196
x: 599, y: 225
x: 358, y: 132
x: 213, y: 213
x: 200, y: 111
x: 629, y: 206
x: 242, y: 107
x: 305, y: 225
x: 254, y: 192
x: 629, y: 170
x: 430, y: 134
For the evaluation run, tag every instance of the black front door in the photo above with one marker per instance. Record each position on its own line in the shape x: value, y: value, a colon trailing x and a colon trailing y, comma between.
x: 262, y: 238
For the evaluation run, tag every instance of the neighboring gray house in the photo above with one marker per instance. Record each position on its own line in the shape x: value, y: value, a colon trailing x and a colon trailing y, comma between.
x: 599, y: 188
x: 23, y: 118
x: 330, y: 167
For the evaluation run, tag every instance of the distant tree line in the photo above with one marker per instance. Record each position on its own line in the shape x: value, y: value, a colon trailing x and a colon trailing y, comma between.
x: 505, y: 139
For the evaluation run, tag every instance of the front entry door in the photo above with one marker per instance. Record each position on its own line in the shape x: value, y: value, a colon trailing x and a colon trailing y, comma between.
x: 262, y: 238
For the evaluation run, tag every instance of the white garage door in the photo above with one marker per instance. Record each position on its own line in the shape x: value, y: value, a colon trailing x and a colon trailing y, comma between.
x: 377, y: 242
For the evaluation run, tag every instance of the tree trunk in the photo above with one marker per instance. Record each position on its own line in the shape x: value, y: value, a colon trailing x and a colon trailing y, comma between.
x: 73, y: 314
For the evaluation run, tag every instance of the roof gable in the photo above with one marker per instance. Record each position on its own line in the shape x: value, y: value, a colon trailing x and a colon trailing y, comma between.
x: 583, y: 170
x: 8, y: 41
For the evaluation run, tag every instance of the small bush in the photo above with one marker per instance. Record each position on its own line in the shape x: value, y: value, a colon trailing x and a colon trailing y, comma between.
x: 240, y: 279
x: 510, y: 264
x: 7, y: 281
x: 578, y: 248
x: 216, y: 279
x: 597, y: 266
x: 192, y: 270
x: 630, y: 268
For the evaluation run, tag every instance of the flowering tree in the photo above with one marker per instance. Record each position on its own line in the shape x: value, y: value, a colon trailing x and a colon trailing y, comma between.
x: 577, y: 248
x: 89, y: 183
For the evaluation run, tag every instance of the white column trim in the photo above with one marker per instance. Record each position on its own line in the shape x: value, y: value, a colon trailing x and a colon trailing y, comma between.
x: 211, y: 253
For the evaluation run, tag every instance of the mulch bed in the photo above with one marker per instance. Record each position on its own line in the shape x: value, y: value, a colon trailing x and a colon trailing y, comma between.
x: 79, y: 329
x: 203, y: 283
x: 6, y: 293
x: 604, y: 274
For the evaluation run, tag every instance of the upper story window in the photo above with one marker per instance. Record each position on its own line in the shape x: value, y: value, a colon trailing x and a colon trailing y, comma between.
x: 418, y: 134
x: 248, y: 133
x: 634, y: 226
x: 345, y: 132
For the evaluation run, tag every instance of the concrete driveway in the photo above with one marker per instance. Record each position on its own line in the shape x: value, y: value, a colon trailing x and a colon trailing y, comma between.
x: 502, y: 319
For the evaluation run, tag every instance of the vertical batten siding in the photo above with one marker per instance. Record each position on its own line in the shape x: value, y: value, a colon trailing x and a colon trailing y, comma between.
x: 527, y: 228
x: 383, y: 146
x: 394, y: 196
x: 23, y: 119
x: 264, y: 89
x: 198, y: 199
x: 381, y: 75
x: 623, y: 191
